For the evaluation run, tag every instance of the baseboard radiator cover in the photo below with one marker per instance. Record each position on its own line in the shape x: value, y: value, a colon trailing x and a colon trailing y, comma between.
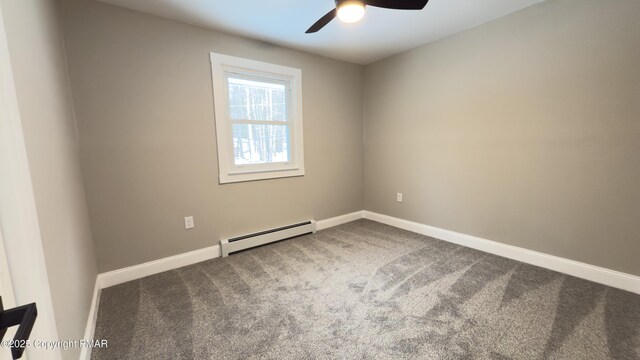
x: 228, y: 246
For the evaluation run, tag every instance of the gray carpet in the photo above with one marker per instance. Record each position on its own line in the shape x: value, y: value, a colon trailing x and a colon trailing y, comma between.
x: 365, y: 290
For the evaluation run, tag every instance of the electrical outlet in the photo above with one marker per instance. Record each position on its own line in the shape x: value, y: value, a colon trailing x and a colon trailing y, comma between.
x: 399, y: 197
x: 188, y: 222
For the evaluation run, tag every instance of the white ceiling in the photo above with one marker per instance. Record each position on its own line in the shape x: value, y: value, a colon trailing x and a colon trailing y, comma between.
x: 380, y: 34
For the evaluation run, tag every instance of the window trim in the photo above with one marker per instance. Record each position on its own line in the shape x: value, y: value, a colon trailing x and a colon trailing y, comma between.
x: 221, y: 66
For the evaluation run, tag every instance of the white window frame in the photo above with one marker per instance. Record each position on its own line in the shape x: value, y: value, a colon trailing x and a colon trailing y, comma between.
x: 229, y: 172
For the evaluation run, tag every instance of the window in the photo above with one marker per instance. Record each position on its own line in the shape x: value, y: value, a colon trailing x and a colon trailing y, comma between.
x: 258, y: 111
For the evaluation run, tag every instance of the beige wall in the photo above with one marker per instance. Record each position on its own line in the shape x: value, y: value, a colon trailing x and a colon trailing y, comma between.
x: 523, y: 131
x: 46, y: 110
x: 144, y: 103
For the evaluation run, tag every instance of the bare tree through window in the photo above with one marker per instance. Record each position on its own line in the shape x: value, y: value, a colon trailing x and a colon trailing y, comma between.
x: 258, y: 111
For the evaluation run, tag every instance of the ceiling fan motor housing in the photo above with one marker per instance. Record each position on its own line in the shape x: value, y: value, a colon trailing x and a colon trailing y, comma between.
x: 342, y: 2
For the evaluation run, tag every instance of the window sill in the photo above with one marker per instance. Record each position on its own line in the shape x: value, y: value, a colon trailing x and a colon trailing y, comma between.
x: 259, y: 175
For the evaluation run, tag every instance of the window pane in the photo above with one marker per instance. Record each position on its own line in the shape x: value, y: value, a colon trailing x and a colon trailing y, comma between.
x: 260, y: 144
x: 257, y: 100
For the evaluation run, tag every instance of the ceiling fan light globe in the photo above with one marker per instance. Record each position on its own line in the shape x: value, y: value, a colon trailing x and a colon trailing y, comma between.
x: 351, y: 11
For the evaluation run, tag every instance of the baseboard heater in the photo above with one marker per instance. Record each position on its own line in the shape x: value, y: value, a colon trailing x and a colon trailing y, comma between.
x: 244, y: 242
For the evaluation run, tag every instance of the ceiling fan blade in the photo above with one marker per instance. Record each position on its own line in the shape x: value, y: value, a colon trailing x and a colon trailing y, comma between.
x: 322, y: 22
x: 398, y: 4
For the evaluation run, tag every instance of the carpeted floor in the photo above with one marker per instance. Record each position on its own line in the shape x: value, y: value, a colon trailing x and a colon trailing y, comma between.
x: 365, y: 290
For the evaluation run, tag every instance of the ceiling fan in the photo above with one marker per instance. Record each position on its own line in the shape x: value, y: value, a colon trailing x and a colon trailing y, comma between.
x: 351, y: 11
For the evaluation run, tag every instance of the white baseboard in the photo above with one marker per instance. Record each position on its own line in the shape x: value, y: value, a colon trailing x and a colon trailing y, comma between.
x: 123, y: 275
x: 339, y: 220
x: 575, y: 268
x: 85, y: 352
x: 593, y: 273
